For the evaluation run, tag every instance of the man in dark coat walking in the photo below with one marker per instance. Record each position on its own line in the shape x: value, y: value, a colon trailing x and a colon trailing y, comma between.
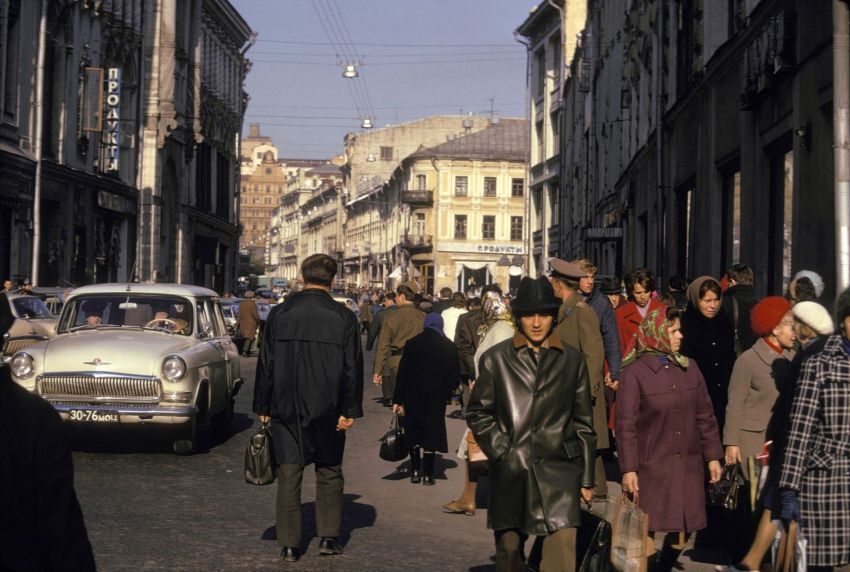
x: 427, y: 374
x: 467, y: 340
x: 309, y: 384
x: 738, y: 302
x: 531, y: 413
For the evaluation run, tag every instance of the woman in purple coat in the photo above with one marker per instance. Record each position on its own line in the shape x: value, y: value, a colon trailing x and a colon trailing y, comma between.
x: 666, y: 432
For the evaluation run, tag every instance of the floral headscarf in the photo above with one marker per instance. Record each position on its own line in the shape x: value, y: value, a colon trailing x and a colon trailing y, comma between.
x: 494, y: 309
x: 653, y: 338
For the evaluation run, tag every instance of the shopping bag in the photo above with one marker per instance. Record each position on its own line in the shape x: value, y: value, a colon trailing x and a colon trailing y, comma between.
x: 473, y: 451
x: 724, y: 493
x: 393, y: 446
x: 260, y: 465
x: 789, y: 548
x: 629, y: 530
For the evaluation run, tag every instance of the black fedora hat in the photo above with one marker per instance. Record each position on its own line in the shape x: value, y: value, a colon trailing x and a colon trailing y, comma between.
x: 611, y: 286
x: 535, y: 296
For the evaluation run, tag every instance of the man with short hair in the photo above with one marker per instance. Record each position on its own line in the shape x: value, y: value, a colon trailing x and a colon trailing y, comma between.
x: 578, y: 327
x: 531, y: 414
x: 385, y: 302
x: 738, y: 302
x: 7, y: 286
x: 309, y: 386
x: 445, y: 301
x: 451, y: 315
x: 467, y: 339
x: 398, y: 326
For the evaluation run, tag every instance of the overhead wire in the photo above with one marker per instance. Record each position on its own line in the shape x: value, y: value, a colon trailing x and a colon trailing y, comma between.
x: 390, y: 44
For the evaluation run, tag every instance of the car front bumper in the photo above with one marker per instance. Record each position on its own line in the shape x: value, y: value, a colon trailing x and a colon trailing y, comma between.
x: 131, y: 414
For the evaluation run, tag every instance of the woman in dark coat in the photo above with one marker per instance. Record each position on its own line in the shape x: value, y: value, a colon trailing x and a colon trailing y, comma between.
x: 666, y: 431
x: 709, y: 339
x: 428, y: 372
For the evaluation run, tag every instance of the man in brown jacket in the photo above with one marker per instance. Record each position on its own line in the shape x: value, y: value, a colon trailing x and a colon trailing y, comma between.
x: 247, y: 321
x: 399, y: 326
x: 578, y: 327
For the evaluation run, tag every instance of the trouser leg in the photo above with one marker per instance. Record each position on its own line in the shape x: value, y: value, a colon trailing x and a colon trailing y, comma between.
x: 509, y: 543
x: 559, y: 551
x: 246, y: 345
x: 464, y: 396
x: 388, y: 386
x: 600, y: 488
x: 329, y: 486
x: 288, y: 520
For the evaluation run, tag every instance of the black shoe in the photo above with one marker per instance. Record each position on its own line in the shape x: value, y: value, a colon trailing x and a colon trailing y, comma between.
x: 289, y: 554
x: 329, y: 547
x: 415, y: 466
x: 428, y: 469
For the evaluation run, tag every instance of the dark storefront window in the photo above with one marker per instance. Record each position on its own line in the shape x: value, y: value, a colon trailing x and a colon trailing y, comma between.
x: 223, y: 184
x: 203, y: 178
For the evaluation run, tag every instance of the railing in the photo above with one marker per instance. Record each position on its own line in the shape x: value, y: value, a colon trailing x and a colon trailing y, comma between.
x: 417, y: 196
x: 417, y: 241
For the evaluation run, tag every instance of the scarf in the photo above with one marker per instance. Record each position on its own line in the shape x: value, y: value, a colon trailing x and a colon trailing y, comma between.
x: 434, y: 322
x: 693, y: 290
x: 494, y: 309
x: 652, y: 338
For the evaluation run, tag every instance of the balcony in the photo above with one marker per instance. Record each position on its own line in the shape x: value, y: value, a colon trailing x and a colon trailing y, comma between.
x: 416, y: 241
x: 420, y: 197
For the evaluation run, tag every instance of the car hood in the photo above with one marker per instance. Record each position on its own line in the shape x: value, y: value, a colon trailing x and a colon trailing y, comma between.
x: 119, y: 351
x: 33, y: 327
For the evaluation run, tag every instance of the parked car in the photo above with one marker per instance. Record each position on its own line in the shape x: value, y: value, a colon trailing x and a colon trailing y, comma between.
x: 33, y: 323
x: 348, y: 303
x: 138, y: 354
x: 230, y: 310
x: 53, y: 297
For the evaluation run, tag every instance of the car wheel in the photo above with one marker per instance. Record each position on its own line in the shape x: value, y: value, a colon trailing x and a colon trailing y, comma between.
x: 222, y: 420
x: 185, y: 445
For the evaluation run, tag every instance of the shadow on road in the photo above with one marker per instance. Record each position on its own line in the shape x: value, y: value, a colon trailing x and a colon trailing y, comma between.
x: 355, y: 515
x: 402, y: 471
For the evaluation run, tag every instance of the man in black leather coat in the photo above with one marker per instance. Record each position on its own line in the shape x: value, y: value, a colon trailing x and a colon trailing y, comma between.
x: 531, y: 413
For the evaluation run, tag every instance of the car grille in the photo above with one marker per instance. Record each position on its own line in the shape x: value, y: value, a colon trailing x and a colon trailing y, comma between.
x: 99, y: 388
x: 15, y: 345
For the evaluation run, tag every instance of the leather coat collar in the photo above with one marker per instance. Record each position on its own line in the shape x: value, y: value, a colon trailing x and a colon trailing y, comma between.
x: 553, y: 341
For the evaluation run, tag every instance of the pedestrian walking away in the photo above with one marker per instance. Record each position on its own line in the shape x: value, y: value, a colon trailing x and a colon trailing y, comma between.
x: 666, y: 431
x: 309, y: 385
x: 427, y: 374
x: 814, y: 483
x: 247, y: 322
x: 531, y: 414
x: 398, y: 326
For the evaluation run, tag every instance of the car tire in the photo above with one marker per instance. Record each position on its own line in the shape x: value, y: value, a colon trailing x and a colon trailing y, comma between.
x: 189, y: 438
x: 222, y: 421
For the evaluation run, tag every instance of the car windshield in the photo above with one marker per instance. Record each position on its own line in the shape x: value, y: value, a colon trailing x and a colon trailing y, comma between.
x: 170, y: 314
x: 29, y: 308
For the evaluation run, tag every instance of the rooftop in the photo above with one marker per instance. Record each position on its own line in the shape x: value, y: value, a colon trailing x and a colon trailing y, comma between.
x: 505, y: 140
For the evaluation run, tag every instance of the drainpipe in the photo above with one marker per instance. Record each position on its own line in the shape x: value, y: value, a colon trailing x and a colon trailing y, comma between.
x: 841, y: 144
x: 39, y: 128
x: 659, y: 142
x: 526, y: 231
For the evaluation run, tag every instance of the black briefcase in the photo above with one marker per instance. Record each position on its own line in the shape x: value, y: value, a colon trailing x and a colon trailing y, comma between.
x: 593, y: 543
x: 393, y: 446
x: 260, y: 465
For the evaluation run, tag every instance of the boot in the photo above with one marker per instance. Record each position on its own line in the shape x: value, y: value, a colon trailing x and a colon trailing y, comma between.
x: 415, y: 465
x: 428, y: 468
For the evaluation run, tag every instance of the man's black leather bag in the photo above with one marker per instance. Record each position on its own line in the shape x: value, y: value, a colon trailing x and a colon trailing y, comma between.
x: 393, y: 446
x: 593, y: 543
x: 260, y: 466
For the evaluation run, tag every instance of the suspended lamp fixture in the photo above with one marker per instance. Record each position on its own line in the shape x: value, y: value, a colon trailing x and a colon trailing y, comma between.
x: 349, y: 71
x: 366, y: 123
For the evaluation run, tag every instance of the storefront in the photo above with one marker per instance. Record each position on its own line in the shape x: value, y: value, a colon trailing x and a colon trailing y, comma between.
x: 468, y: 267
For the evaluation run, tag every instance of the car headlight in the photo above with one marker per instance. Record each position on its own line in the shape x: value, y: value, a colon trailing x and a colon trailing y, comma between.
x: 173, y: 368
x: 22, y: 365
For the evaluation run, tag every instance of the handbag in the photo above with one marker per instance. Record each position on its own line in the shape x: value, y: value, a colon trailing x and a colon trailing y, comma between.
x: 724, y: 493
x: 593, y: 543
x: 789, y: 548
x: 473, y: 451
x: 393, y: 446
x: 260, y: 465
x: 629, y: 536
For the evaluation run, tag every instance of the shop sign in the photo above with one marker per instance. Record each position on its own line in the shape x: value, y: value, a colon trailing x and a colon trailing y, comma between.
x: 605, y: 233
x: 113, y: 120
x: 477, y: 247
x: 117, y: 203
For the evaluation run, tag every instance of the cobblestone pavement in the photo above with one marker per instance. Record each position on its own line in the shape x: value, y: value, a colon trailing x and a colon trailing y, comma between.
x: 148, y: 509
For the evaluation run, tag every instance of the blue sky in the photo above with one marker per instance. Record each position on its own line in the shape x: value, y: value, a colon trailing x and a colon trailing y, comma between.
x: 464, y: 50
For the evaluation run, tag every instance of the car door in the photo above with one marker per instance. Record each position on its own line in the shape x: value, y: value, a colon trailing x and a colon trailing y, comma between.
x: 211, y: 337
x: 231, y: 352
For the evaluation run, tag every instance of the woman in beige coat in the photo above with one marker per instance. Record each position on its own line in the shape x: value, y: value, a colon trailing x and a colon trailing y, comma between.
x: 752, y: 388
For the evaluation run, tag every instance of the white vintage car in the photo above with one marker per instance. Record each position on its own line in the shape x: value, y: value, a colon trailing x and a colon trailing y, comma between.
x: 138, y: 354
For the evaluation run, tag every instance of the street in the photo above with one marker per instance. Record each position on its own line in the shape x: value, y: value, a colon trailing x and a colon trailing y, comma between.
x: 148, y: 509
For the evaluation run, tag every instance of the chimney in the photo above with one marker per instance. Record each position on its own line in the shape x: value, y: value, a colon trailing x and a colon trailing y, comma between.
x: 254, y: 130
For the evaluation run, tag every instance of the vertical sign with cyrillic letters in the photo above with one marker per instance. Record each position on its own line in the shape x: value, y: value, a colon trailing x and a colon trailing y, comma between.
x: 113, y: 119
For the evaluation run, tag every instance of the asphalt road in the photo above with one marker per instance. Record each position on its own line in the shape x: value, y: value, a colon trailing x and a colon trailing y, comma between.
x: 148, y: 509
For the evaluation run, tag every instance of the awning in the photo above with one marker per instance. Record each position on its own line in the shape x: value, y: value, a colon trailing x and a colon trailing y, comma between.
x: 411, y: 270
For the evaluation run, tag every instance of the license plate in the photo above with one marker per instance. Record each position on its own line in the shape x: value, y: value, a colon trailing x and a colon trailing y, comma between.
x: 93, y: 416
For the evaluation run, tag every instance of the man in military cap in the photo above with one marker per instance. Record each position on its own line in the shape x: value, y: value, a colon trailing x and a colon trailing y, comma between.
x: 398, y: 326
x: 578, y: 327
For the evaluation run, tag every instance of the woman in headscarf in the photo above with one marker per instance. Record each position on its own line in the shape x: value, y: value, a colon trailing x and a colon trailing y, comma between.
x: 709, y: 339
x: 666, y: 431
x: 427, y: 374
x: 498, y: 326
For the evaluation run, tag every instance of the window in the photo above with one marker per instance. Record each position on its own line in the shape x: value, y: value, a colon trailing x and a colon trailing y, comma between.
x: 781, y: 219
x: 489, y: 186
x: 488, y: 227
x: 421, y: 183
x: 386, y: 153
x: 685, y: 223
x: 731, y: 244
x: 460, y: 227
x: 11, y: 41
x: 461, y: 186
x: 517, y: 187
x: 516, y: 228
x: 539, y: 72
